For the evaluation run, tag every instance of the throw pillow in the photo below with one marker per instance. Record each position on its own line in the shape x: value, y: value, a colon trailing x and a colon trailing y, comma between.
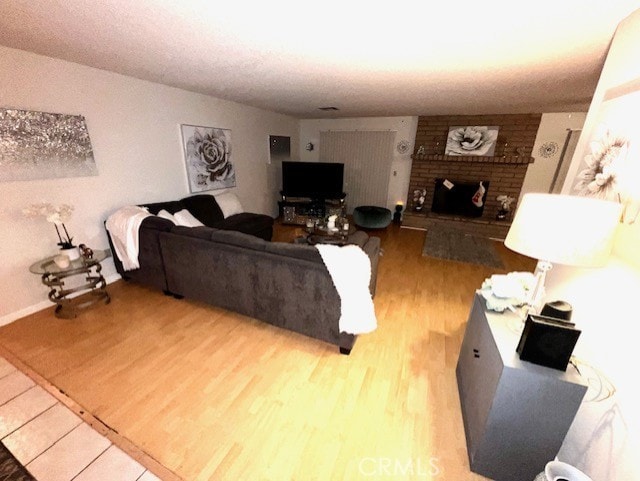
x: 186, y: 218
x: 166, y: 215
x: 229, y: 204
x: 204, y: 208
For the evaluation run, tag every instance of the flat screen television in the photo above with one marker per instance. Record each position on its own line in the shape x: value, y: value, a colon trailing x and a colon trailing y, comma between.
x: 315, y: 180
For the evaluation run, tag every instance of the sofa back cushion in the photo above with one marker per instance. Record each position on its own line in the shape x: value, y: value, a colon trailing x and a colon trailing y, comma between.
x: 238, y: 239
x: 204, y: 208
x: 171, y: 207
x: 197, y: 232
x: 299, y: 251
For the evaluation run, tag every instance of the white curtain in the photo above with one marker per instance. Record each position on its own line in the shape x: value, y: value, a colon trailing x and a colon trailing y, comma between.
x: 367, y: 157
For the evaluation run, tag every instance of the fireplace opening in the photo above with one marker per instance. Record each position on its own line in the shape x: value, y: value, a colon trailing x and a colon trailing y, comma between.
x: 459, y: 198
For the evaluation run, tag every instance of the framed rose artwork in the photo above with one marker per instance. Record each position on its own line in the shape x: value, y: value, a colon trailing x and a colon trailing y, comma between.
x: 472, y: 140
x: 207, y: 152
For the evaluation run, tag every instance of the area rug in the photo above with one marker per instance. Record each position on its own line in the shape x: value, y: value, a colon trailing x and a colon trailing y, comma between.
x: 457, y: 246
x: 10, y: 468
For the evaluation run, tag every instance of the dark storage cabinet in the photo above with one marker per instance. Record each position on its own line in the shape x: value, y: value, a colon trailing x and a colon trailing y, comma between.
x: 516, y: 414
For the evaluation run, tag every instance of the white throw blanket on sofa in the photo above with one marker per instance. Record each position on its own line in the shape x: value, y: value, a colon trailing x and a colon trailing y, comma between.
x: 124, y: 225
x: 350, y: 270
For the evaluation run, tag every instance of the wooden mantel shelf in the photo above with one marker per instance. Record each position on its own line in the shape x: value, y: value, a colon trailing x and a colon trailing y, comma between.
x: 508, y: 159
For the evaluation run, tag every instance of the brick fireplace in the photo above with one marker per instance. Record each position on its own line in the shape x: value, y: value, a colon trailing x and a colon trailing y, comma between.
x: 504, y: 171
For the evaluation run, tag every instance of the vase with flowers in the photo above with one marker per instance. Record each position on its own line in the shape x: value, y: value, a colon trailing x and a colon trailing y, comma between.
x: 57, y: 215
x: 505, y: 206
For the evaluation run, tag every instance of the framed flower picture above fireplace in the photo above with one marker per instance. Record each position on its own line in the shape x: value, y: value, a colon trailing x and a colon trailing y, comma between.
x: 472, y: 140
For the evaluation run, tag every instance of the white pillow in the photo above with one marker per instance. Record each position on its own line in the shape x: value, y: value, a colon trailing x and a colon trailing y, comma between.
x: 186, y: 218
x: 229, y: 204
x: 166, y: 215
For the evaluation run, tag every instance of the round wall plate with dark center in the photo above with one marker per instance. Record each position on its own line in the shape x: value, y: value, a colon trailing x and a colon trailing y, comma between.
x: 403, y: 146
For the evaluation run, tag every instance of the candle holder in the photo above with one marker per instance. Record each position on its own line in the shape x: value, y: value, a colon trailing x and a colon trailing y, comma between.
x: 397, y: 215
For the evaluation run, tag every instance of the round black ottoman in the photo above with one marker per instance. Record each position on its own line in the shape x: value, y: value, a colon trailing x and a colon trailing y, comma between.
x: 371, y: 217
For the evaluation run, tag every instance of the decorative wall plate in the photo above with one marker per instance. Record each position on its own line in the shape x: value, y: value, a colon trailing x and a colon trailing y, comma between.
x: 548, y: 149
x: 403, y: 146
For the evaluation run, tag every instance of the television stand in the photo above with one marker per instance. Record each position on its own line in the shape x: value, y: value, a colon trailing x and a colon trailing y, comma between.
x: 297, y: 210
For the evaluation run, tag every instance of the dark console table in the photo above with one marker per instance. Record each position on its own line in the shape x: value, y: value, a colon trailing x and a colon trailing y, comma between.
x: 516, y: 414
x: 297, y: 210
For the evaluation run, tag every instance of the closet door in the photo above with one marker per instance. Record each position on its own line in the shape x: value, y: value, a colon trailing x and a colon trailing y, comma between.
x: 367, y: 157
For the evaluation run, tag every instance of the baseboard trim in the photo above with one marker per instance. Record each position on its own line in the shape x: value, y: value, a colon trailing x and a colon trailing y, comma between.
x: 14, y: 316
x: 412, y: 228
x: 112, y: 278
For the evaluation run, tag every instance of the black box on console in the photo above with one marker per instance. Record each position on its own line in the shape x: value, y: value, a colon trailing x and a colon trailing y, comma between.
x: 547, y: 341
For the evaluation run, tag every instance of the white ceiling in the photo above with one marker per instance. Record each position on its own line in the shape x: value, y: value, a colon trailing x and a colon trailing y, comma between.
x: 366, y: 58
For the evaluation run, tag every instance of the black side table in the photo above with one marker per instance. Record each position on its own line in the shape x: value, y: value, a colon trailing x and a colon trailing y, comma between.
x: 53, y: 276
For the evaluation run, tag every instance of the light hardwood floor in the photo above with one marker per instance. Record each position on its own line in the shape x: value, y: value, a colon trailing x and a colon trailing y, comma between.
x: 213, y: 395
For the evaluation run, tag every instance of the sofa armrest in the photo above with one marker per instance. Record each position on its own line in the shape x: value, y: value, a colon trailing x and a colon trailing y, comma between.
x: 157, y: 223
x: 151, y: 271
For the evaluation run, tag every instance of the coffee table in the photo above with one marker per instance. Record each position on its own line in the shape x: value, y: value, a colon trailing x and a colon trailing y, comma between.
x: 54, y: 277
x: 323, y: 235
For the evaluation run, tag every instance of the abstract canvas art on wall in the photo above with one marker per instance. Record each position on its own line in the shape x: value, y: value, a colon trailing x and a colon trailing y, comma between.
x: 42, y: 145
x: 473, y: 140
x: 208, y: 158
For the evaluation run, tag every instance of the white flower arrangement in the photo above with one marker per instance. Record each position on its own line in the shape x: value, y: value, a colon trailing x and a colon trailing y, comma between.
x: 505, y: 202
x: 419, y: 197
x: 57, y: 215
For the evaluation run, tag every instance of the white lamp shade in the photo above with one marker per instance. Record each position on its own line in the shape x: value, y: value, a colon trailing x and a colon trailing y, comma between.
x: 564, y: 229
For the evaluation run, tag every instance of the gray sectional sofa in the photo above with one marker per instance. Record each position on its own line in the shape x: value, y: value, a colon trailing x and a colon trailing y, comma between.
x: 204, y: 208
x: 284, y: 284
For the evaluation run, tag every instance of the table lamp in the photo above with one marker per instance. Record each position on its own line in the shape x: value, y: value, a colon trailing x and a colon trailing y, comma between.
x: 562, y: 229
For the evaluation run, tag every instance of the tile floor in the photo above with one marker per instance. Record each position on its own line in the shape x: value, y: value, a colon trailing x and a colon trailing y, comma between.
x: 52, y: 442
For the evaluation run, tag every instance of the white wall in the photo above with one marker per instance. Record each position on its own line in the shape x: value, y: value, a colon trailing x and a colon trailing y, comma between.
x: 134, y: 127
x: 553, y: 128
x: 401, y: 164
x: 604, y: 439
